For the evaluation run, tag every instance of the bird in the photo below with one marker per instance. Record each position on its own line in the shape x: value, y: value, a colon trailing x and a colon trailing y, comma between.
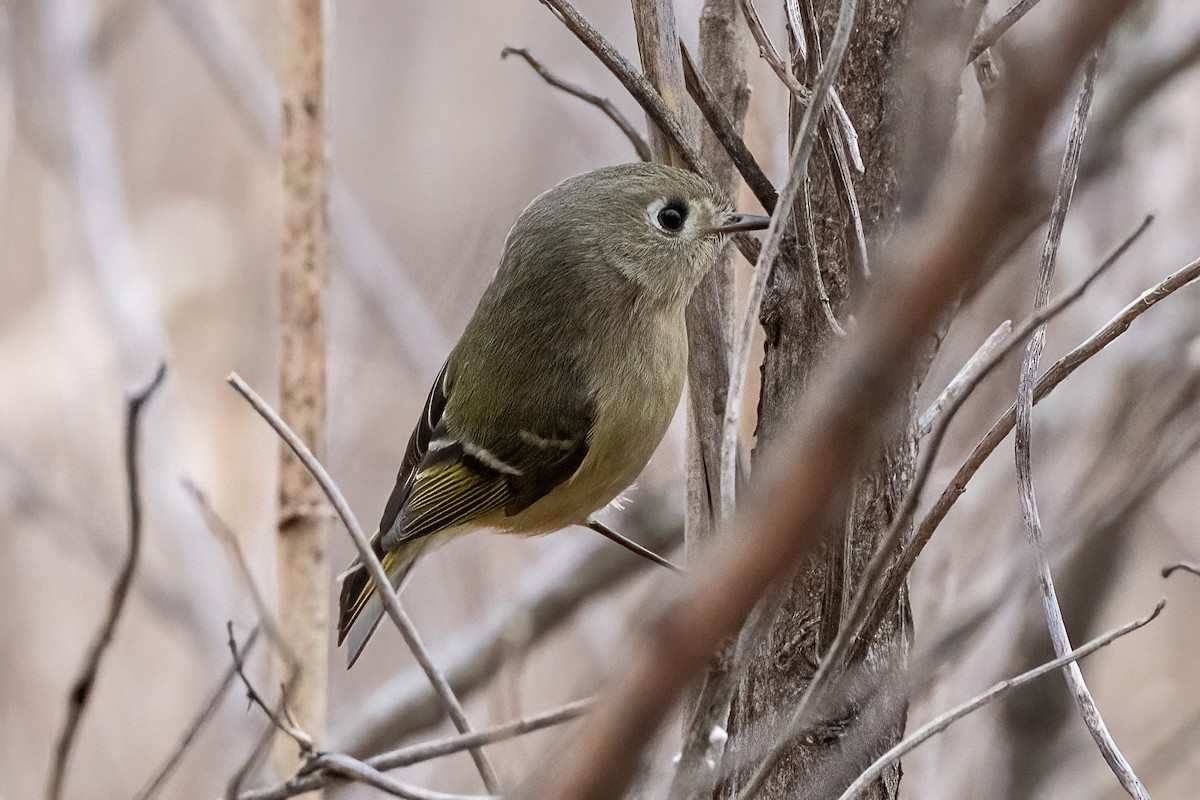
x: 565, y: 378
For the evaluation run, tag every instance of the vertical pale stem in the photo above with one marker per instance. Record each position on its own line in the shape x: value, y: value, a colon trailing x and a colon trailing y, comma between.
x: 302, y: 562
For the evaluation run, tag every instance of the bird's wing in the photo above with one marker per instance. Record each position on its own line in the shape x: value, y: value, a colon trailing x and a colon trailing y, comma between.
x: 464, y: 475
x: 450, y: 477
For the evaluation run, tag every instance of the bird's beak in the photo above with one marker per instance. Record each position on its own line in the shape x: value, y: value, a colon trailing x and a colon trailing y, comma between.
x: 742, y: 222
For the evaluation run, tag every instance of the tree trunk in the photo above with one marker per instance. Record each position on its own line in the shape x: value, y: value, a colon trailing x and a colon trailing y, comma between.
x: 801, y: 622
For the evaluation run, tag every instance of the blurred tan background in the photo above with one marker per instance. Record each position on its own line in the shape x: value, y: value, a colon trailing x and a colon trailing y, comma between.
x: 436, y: 145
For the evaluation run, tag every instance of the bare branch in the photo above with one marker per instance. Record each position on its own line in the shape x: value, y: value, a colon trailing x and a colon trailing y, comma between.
x: 640, y: 146
x: 193, y: 730
x: 769, y: 53
x: 360, y: 772
x: 1186, y: 566
x: 427, y: 751
x: 1025, y: 489
x: 391, y: 602
x: 546, y: 596
x: 940, y: 723
x: 1002, y: 426
x: 853, y: 233
x: 998, y: 28
x: 657, y: 39
x: 723, y: 128
x: 415, y: 754
x: 81, y: 687
x: 965, y: 378
x: 633, y: 81
x: 873, y: 595
x: 282, y: 719
x: 814, y: 261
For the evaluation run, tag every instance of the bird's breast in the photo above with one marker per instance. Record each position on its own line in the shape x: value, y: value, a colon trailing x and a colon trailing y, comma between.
x: 636, y: 398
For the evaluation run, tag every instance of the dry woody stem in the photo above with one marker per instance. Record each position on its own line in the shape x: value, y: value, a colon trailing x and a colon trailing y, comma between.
x: 1029, y: 507
x: 302, y: 523
x: 426, y: 751
x: 85, y: 682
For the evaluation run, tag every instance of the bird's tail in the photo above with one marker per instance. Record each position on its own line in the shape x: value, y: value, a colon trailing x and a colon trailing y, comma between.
x: 361, y: 606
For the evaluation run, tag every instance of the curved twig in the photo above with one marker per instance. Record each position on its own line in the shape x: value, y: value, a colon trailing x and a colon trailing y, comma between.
x: 81, y: 687
x: 640, y: 145
x: 391, y: 602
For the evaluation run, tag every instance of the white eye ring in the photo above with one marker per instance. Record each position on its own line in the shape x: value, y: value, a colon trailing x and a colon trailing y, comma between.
x: 670, y: 217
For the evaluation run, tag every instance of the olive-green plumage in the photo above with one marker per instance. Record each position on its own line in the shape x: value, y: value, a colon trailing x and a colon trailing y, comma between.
x: 566, y: 376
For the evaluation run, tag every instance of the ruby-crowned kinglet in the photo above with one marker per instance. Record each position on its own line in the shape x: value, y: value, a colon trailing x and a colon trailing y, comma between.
x: 567, y: 375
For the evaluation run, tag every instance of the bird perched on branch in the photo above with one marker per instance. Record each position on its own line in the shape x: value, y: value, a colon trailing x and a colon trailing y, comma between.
x: 566, y: 377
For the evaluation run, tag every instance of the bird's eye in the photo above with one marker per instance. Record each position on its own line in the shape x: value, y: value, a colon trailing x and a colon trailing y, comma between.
x: 671, y: 217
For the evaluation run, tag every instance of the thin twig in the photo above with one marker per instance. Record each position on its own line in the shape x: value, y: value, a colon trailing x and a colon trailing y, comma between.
x: 796, y: 27
x: 81, y: 687
x: 630, y: 545
x: 391, y: 602
x: 769, y: 53
x: 896, y: 572
x: 1024, y: 435
x: 437, y: 748
x: 281, y: 719
x: 780, y: 221
x: 964, y: 379
x: 722, y: 127
x: 427, y: 751
x: 640, y: 145
x: 940, y: 723
x: 360, y: 772
x: 872, y: 597
x: 193, y: 730
x: 1186, y: 566
x: 998, y: 28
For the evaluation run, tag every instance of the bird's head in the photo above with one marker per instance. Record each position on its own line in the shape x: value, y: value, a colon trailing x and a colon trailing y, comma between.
x: 659, y: 227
